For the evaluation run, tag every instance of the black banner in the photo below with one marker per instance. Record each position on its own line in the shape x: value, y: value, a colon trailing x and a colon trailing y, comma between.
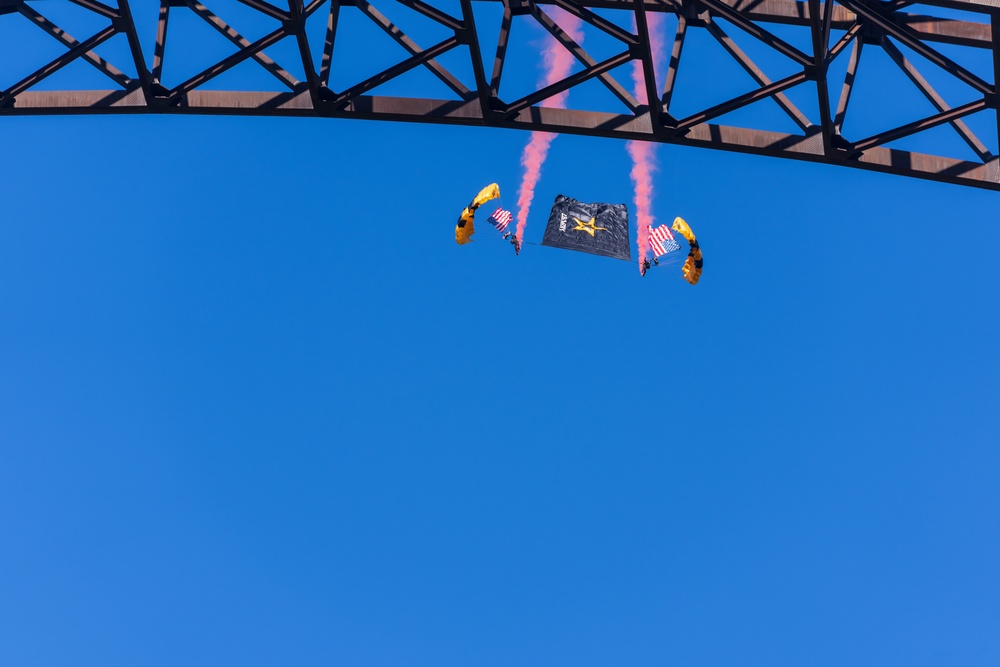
x: 601, y: 229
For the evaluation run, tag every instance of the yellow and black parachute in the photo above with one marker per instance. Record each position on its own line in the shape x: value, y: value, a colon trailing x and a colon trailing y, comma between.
x: 692, y: 266
x: 464, y: 228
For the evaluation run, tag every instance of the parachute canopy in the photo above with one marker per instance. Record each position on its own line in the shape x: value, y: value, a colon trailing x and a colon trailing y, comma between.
x: 601, y: 229
x: 692, y: 266
x: 464, y: 228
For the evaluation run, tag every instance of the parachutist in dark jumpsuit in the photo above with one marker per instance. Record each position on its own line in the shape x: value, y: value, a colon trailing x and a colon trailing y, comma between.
x: 645, y: 267
x: 509, y: 236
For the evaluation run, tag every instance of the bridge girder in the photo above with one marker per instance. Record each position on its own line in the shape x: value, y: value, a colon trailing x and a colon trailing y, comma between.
x: 935, y: 37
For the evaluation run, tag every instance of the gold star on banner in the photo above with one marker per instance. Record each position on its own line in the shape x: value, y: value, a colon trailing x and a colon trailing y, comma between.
x: 589, y: 227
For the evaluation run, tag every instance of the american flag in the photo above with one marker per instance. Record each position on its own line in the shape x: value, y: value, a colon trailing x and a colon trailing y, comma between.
x: 661, y: 241
x: 500, y: 219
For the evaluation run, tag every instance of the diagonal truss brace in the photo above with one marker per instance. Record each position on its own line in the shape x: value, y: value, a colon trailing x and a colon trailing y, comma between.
x: 822, y: 137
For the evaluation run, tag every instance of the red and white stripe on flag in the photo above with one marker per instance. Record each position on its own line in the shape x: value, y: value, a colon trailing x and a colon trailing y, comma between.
x: 661, y: 241
x: 500, y: 219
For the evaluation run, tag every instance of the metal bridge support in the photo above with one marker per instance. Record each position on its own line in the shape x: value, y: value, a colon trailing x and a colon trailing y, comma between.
x: 942, y: 38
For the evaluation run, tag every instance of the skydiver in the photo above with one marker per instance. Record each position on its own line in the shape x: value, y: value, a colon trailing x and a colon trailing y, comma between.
x: 645, y: 267
x: 512, y: 238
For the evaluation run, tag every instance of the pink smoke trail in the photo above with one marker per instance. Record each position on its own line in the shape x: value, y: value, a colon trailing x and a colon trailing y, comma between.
x: 558, y: 63
x: 643, y: 153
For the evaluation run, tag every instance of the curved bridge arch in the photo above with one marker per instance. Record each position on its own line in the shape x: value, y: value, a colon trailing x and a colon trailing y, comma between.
x: 813, y: 39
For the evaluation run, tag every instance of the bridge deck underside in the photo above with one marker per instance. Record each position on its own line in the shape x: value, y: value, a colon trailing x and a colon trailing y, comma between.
x: 946, y: 51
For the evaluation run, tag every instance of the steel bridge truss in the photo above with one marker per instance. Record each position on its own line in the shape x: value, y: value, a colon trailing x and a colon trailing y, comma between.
x: 819, y: 42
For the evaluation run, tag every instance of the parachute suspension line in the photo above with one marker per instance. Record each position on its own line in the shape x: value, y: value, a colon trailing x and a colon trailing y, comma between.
x: 500, y: 199
x: 673, y: 261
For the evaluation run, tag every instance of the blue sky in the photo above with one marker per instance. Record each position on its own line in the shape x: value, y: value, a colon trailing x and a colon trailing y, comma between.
x: 256, y: 407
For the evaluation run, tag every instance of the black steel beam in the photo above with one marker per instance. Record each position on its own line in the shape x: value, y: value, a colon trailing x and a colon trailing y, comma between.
x: 478, y: 98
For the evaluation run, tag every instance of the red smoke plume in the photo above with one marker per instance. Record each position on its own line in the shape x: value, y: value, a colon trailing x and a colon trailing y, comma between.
x: 558, y: 63
x: 643, y: 153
